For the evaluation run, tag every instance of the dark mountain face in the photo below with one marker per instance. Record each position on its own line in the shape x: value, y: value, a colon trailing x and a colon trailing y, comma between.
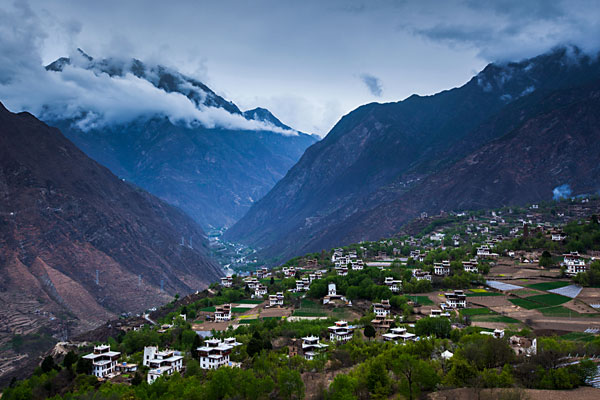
x: 214, y: 175
x: 381, y: 153
x: 78, y: 245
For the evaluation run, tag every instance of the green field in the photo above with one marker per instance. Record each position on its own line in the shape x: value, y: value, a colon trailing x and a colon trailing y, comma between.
x: 548, y: 285
x: 483, y: 294
x: 496, y: 318
x: 579, y: 336
x: 423, y: 300
x: 530, y: 305
x: 239, y: 310
x: 301, y: 313
x: 248, y: 321
x: 550, y: 299
x: 208, y: 309
x: 250, y: 301
x: 476, y: 311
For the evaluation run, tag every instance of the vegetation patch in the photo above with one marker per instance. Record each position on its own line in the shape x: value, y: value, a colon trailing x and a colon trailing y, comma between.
x: 476, y: 311
x: 424, y: 300
x: 496, y: 318
x: 208, y: 309
x: 579, y: 336
x: 550, y: 299
x: 530, y: 305
x: 300, y: 313
x: 548, y: 285
x: 240, y: 309
x: 483, y: 294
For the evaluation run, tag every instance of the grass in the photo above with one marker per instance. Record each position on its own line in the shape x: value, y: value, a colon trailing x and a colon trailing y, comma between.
x: 266, y: 318
x: 548, y: 285
x: 559, y: 311
x: 478, y: 290
x: 496, y: 318
x: 579, y: 336
x: 208, y: 309
x: 550, y: 299
x: 476, y: 311
x: 267, y: 281
x: 240, y: 309
x: 423, y: 300
x: 301, y: 313
x: 248, y: 321
x: 250, y: 301
x: 483, y: 294
x: 530, y: 305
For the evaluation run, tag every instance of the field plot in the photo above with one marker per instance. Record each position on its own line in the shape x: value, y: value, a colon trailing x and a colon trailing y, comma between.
x: 571, y: 291
x: 502, y: 286
x: 423, y: 300
x: 548, y: 285
x: 549, y: 299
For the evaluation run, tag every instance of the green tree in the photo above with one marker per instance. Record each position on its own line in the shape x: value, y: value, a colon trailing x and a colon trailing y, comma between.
x: 369, y: 331
x: 290, y: 384
x: 70, y: 359
x: 48, y: 364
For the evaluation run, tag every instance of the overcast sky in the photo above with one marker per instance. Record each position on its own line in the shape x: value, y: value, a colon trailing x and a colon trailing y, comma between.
x: 309, y: 62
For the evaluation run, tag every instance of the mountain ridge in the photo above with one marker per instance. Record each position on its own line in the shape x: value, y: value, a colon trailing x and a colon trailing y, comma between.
x: 390, y: 148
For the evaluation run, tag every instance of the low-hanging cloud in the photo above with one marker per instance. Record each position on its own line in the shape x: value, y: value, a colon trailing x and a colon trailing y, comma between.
x: 373, y: 83
x: 561, y: 192
x: 91, y: 97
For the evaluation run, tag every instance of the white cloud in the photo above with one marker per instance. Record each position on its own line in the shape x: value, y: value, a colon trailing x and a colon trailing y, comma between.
x: 96, y: 97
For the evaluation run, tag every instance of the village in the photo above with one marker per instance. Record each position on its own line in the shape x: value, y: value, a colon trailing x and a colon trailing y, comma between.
x: 476, y: 273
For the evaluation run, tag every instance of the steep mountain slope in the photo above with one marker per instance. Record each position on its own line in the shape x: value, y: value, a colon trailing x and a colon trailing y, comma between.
x: 79, y: 246
x: 213, y: 174
x: 380, y: 152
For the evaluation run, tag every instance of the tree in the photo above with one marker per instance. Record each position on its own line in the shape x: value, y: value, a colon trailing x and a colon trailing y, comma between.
x: 416, y: 375
x: 439, y: 327
x: 290, y: 384
x: 48, y: 364
x: 369, y: 331
x: 70, y: 359
x: 84, y: 366
x: 546, y: 259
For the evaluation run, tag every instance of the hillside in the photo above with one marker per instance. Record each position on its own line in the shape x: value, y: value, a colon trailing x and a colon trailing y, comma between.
x: 214, y: 174
x: 381, y: 156
x: 80, y: 246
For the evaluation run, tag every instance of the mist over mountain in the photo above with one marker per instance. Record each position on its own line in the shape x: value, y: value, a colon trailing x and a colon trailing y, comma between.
x: 383, y: 164
x: 212, y: 171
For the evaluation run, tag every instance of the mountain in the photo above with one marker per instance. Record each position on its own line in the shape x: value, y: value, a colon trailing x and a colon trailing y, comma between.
x: 80, y: 246
x: 213, y: 174
x: 383, y: 164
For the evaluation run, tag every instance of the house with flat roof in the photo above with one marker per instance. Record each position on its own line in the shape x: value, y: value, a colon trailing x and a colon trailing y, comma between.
x: 164, y: 362
x: 223, y: 313
x: 341, y: 331
x: 311, y: 347
x: 104, y: 361
x: 276, y: 299
x: 456, y: 299
x: 215, y: 353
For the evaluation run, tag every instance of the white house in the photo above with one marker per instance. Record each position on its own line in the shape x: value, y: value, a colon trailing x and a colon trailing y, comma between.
x: 276, y: 299
x: 164, y: 362
x: 470, y: 266
x: 398, y: 335
x: 574, y: 263
x: 260, y: 290
x: 332, y: 294
x: 382, y: 309
x: 215, y: 353
x: 420, y: 275
x: 311, y: 347
x: 104, y: 361
x: 394, y: 285
x: 223, y: 313
x: 456, y: 299
x: 442, y: 269
x: 341, y: 331
x: 227, y: 281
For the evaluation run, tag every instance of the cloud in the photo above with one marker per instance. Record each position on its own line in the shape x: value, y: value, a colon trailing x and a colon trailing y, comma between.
x: 561, y: 192
x: 92, y: 97
x: 510, y: 29
x: 373, y: 83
